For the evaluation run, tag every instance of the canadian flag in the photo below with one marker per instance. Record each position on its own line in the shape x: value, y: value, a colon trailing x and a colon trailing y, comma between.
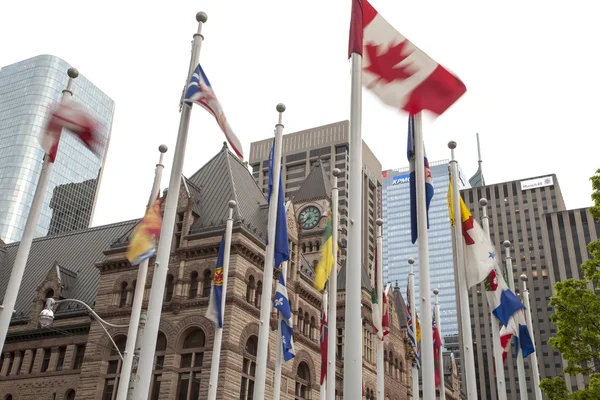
x: 385, y: 317
x: 397, y: 71
x: 73, y: 117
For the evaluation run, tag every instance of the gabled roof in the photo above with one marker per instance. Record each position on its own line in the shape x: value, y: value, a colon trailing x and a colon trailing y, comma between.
x: 74, y: 252
x: 316, y: 186
x: 365, y: 281
x: 220, y: 180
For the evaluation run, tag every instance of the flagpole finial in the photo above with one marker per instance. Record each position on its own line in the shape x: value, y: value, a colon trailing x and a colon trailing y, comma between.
x: 506, y: 243
x: 483, y: 202
x: 201, y: 17
x: 336, y: 172
x: 72, y: 73
x: 379, y: 222
x: 280, y: 107
x: 523, y: 277
x: 411, y: 261
x: 232, y: 204
x: 163, y: 148
x: 436, y: 291
x: 452, y: 145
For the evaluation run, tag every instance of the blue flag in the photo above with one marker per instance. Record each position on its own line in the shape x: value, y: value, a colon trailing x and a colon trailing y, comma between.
x: 282, y: 303
x: 282, y: 250
x: 410, y: 152
x: 216, y: 294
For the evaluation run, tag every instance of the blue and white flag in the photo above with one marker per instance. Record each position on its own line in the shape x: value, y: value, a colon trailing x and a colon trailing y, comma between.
x: 200, y: 91
x: 216, y: 293
x: 410, y: 152
x: 282, y: 303
x: 282, y: 250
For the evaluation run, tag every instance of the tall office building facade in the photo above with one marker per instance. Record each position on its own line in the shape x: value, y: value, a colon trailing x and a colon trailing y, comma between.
x: 519, y: 211
x: 330, y: 144
x: 398, y: 247
x: 565, y: 236
x: 27, y: 91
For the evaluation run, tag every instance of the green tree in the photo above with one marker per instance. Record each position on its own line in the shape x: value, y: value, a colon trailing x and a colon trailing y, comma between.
x: 577, y: 319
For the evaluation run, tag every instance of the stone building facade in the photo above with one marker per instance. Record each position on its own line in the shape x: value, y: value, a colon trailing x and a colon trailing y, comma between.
x: 74, y: 358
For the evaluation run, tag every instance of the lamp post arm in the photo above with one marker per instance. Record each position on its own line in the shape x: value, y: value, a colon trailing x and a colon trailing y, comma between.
x: 91, y: 311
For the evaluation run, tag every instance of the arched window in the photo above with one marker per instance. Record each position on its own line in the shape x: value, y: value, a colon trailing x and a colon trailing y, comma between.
x: 312, y: 328
x: 70, y: 395
x: 206, y: 283
x: 190, y: 365
x: 302, y: 382
x: 250, y: 289
x: 169, y: 288
x: 159, y: 362
x: 391, y: 363
x: 113, y: 368
x: 317, y: 246
x: 133, y: 286
x: 396, y: 369
x: 310, y: 246
x: 300, y: 320
x: 249, y: 368
x: 386, y: 365
x: 303, y: 248
x: 258, y: 294
x: 306, y: 324
x: 8, y: 397
x: 193, y: 285
x: 123, y: 299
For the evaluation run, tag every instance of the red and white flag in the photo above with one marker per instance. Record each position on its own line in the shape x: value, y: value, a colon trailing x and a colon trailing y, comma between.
x: 385, y: 315
x: 397, y: 71
x: 71, y: 116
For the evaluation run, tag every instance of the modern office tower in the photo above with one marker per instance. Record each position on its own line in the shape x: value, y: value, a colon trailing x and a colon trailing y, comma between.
x: 398, y: 247
x: 517, y: 212
x: 330, y: 144
x: 27, y: 89
x: 566, y: 235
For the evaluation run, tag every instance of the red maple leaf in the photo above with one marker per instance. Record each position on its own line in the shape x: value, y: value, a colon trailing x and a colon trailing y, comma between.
x: 385, y: 65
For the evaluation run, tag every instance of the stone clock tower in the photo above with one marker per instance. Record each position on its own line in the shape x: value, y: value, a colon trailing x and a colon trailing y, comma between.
x: 312, y: 202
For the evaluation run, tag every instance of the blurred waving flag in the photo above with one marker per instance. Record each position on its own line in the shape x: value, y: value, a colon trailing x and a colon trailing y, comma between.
x: 397, y: 71
x: 200, y: 91
x: 323, y: 338
x: 282, y: 303
x: 323, y: 269
x: 71, y: 116
x: 141, y: 244
x: 216, y: 294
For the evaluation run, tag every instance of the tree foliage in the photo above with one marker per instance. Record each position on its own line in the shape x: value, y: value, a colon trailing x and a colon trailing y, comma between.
x: 577, y: 319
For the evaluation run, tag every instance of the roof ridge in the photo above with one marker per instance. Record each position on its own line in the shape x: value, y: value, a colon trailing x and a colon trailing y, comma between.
x: 76, y: 232
x: 236, y: 210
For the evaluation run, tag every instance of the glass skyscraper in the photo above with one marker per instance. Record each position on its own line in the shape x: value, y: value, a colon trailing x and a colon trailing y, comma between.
x: 27, y: 90
x: 398, y: 248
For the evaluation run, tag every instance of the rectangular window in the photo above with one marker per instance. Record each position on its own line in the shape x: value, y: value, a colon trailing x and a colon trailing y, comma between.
x: 61, y: 358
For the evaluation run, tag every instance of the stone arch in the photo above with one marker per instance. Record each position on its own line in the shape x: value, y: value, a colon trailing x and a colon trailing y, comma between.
x: 304, y: 356
x: 250, y: 329
x: 193, y: 321
x: 128, y: 277
x: 105, y: 346
x: 258, y: 275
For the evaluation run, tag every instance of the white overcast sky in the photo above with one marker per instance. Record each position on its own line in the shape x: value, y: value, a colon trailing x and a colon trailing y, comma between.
x: 531, y: 69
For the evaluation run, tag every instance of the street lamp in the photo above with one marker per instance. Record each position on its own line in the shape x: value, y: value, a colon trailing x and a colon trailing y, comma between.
x: 47, y: 317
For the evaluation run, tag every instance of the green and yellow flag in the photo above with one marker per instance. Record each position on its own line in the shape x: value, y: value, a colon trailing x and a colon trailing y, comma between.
x: 326, y: 262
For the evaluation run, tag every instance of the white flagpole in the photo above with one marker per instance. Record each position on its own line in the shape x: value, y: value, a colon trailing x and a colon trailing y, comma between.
x: 146, y: 361
x: 379, y: 275
x: 500, y: 382
x: 216, y: 353
x: 323, y: 392
x: 353, y: 324
x: 441, y: 349
x: 125, y: 390
x: 279, y: 349
x: 511, y: 285
x: 266, y: 301
x: 463, y: 290
x: 424, y: 288
x: 413, y: 316
x: 332, y: 315
x: 16, y: 276
x: 533, y: 361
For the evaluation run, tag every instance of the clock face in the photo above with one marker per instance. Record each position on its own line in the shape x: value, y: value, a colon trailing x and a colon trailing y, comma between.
x: 309, y: 217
